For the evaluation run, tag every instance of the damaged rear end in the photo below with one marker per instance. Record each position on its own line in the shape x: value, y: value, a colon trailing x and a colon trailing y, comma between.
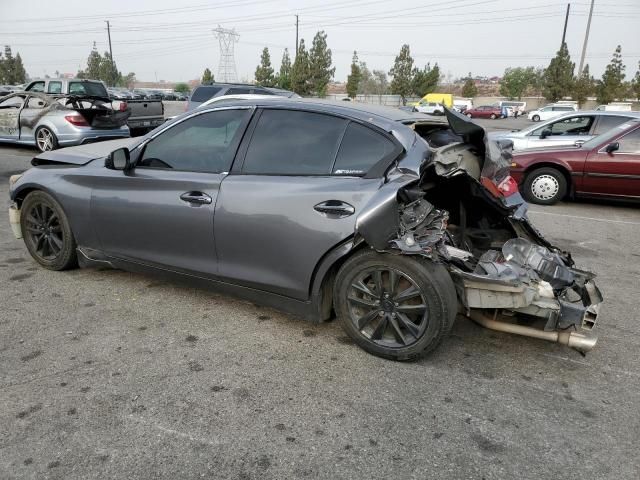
x: 465, y: 212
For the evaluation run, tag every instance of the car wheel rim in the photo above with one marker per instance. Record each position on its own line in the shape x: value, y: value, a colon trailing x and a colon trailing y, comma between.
x: 45, y: 140
x: 44, y: 231
x: 387, y: 307
x: 545, y: 187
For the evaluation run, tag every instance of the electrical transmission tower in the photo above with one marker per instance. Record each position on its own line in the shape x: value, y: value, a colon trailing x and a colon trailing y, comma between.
x: 227, y: 68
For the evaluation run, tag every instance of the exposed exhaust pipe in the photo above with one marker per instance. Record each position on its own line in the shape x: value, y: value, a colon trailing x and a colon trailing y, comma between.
x: 574, y: 340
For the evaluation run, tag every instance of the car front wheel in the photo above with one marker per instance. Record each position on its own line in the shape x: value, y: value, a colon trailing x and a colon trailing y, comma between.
x: 394, y: 306
x: 545, y: 186
x: 536, y: 118
x: 469, y: 115
x: 46, y: 232
x: 493, y: 116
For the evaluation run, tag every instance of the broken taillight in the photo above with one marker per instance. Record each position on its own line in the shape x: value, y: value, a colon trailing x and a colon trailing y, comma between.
x: 507, y: 187
x: 77, y: 120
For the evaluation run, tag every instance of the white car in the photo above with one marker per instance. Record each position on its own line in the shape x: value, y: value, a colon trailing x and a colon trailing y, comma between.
x: 549, y: 111
x: 432, y: 108
x: 571, y: 129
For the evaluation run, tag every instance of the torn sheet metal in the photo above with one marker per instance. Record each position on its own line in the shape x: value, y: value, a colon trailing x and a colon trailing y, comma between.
x: 422, y: 228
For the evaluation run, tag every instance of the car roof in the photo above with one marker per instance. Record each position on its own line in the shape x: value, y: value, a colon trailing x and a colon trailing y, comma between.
x: 381, y: 115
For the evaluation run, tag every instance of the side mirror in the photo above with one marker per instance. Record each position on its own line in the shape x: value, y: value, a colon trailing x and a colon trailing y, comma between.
x: 612, y: 147
x: 545, y: 133
x: 119, y: 159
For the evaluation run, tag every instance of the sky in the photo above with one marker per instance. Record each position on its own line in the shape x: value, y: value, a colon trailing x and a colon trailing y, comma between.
x: 174, y: 40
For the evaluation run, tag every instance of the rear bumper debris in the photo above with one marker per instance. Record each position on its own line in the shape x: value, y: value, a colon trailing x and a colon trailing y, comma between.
x: 14, y: 221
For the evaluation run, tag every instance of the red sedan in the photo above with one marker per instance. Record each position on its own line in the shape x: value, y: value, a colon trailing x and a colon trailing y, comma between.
x: 607, y: 166
x: 485, y: 111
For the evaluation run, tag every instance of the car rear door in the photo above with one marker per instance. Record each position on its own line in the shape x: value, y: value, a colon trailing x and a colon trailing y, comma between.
x: 616, y: 173
x: 294, y: 193
x: 161, y: 212
x: 30, y: 117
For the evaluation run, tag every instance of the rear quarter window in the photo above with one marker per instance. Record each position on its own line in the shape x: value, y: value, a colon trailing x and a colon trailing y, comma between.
x: 361, y: 149
x: 607, y: 122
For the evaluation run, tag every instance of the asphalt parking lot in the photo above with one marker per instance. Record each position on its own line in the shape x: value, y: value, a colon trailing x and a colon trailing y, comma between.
x: 107, y: 374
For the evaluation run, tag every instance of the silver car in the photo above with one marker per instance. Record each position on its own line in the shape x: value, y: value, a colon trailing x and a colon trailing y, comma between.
x: 48, y: 122
x: 568, y: 130
x: 319, y: 209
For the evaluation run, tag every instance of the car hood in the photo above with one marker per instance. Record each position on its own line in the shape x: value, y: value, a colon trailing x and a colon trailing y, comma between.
x: 83, y: 154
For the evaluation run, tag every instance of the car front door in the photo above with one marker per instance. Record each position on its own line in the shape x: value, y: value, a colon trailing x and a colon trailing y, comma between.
x: 565, y: 131
x: 294, y: 194
x: 161, y: 212
x: 615, y: 173
x: 30, y: 117
x: 10, y: 117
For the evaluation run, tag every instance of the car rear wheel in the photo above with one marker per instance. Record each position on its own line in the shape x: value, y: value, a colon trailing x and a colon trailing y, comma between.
x: 45, y: 139
x: 47, y: 233
x: 536, y: 118
x: 469, y: 115
x: 493, y: 116
x: 545, y: 186
x: 394, y: 306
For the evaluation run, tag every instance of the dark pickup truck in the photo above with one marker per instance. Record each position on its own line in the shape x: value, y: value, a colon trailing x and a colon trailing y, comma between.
x: 145, y: 114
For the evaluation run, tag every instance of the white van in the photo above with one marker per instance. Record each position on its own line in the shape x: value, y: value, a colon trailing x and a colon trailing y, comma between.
x: 549, y: 111
x: 511, y: 104
x: 615, y: 107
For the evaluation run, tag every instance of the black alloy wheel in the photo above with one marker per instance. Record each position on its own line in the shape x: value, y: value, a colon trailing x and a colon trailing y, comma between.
x: 394, y: 306
x: 46, y: 232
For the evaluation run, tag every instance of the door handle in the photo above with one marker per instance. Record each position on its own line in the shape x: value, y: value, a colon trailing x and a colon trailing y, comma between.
x: 198, y: 198
x: 335, y: 208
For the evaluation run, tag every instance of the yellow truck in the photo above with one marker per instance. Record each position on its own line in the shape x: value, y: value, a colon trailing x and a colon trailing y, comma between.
x: 445, y: 99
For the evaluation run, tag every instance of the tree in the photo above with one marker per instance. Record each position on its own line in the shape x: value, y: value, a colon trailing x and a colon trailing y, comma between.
x: 469, y: 89
x: 181, y: 88
x: 635, y: 84
x: 207, y: 76
x: 283, y: 79
x: 426, y: 80
x: 264, y: 71
x: 612, y: 86
x: 320, y: 71
x: 129, y: 80
x: 300, y: 73
x: 353, y: 79
x: 12, y: 71
x: 108, y: 71
x: 515, y: 81
x: 380, y: 82
x: 583, y: 86
x: 402, y: 72
x: 558, y: 77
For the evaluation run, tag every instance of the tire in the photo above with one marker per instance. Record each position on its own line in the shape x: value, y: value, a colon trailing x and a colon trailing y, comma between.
x: 378, y: 320
x: 536, y: 118
x: 46, y: 232
x: 469, y: 115
x: 493, y: 116
x: 46, y: 140
x: 545, y: 186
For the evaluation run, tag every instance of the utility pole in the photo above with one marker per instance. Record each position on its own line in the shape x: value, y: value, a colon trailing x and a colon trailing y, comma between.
x: 296, y: 36
x: 586, y: 38
x: 113, y: 68
x: 566, y: 20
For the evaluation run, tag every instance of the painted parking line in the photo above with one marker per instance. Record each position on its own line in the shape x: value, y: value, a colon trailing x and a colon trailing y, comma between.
x: 592, y: 219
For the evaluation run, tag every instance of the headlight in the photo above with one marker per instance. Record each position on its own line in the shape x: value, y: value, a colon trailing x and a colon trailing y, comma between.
x: 14, y: 178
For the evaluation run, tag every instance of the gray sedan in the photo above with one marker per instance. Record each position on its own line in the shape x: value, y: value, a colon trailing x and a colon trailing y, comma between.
x: 392, y: 221
x: 31, y: 118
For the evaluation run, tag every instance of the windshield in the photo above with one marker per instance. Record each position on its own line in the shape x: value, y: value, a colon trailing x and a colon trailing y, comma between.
x: 609, y: 134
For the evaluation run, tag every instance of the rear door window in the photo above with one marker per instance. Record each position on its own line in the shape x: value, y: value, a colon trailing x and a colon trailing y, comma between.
x: 204, y: 93
x: 608, y: 122
x: 630, y: 143
x: 288, y: 142
x: 361, y: 149
x: 54, y: 87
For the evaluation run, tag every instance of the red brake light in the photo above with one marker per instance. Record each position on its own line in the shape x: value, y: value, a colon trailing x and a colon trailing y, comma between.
x: 77, y: 120
x: 508, y: 186
x: 123, y: 106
